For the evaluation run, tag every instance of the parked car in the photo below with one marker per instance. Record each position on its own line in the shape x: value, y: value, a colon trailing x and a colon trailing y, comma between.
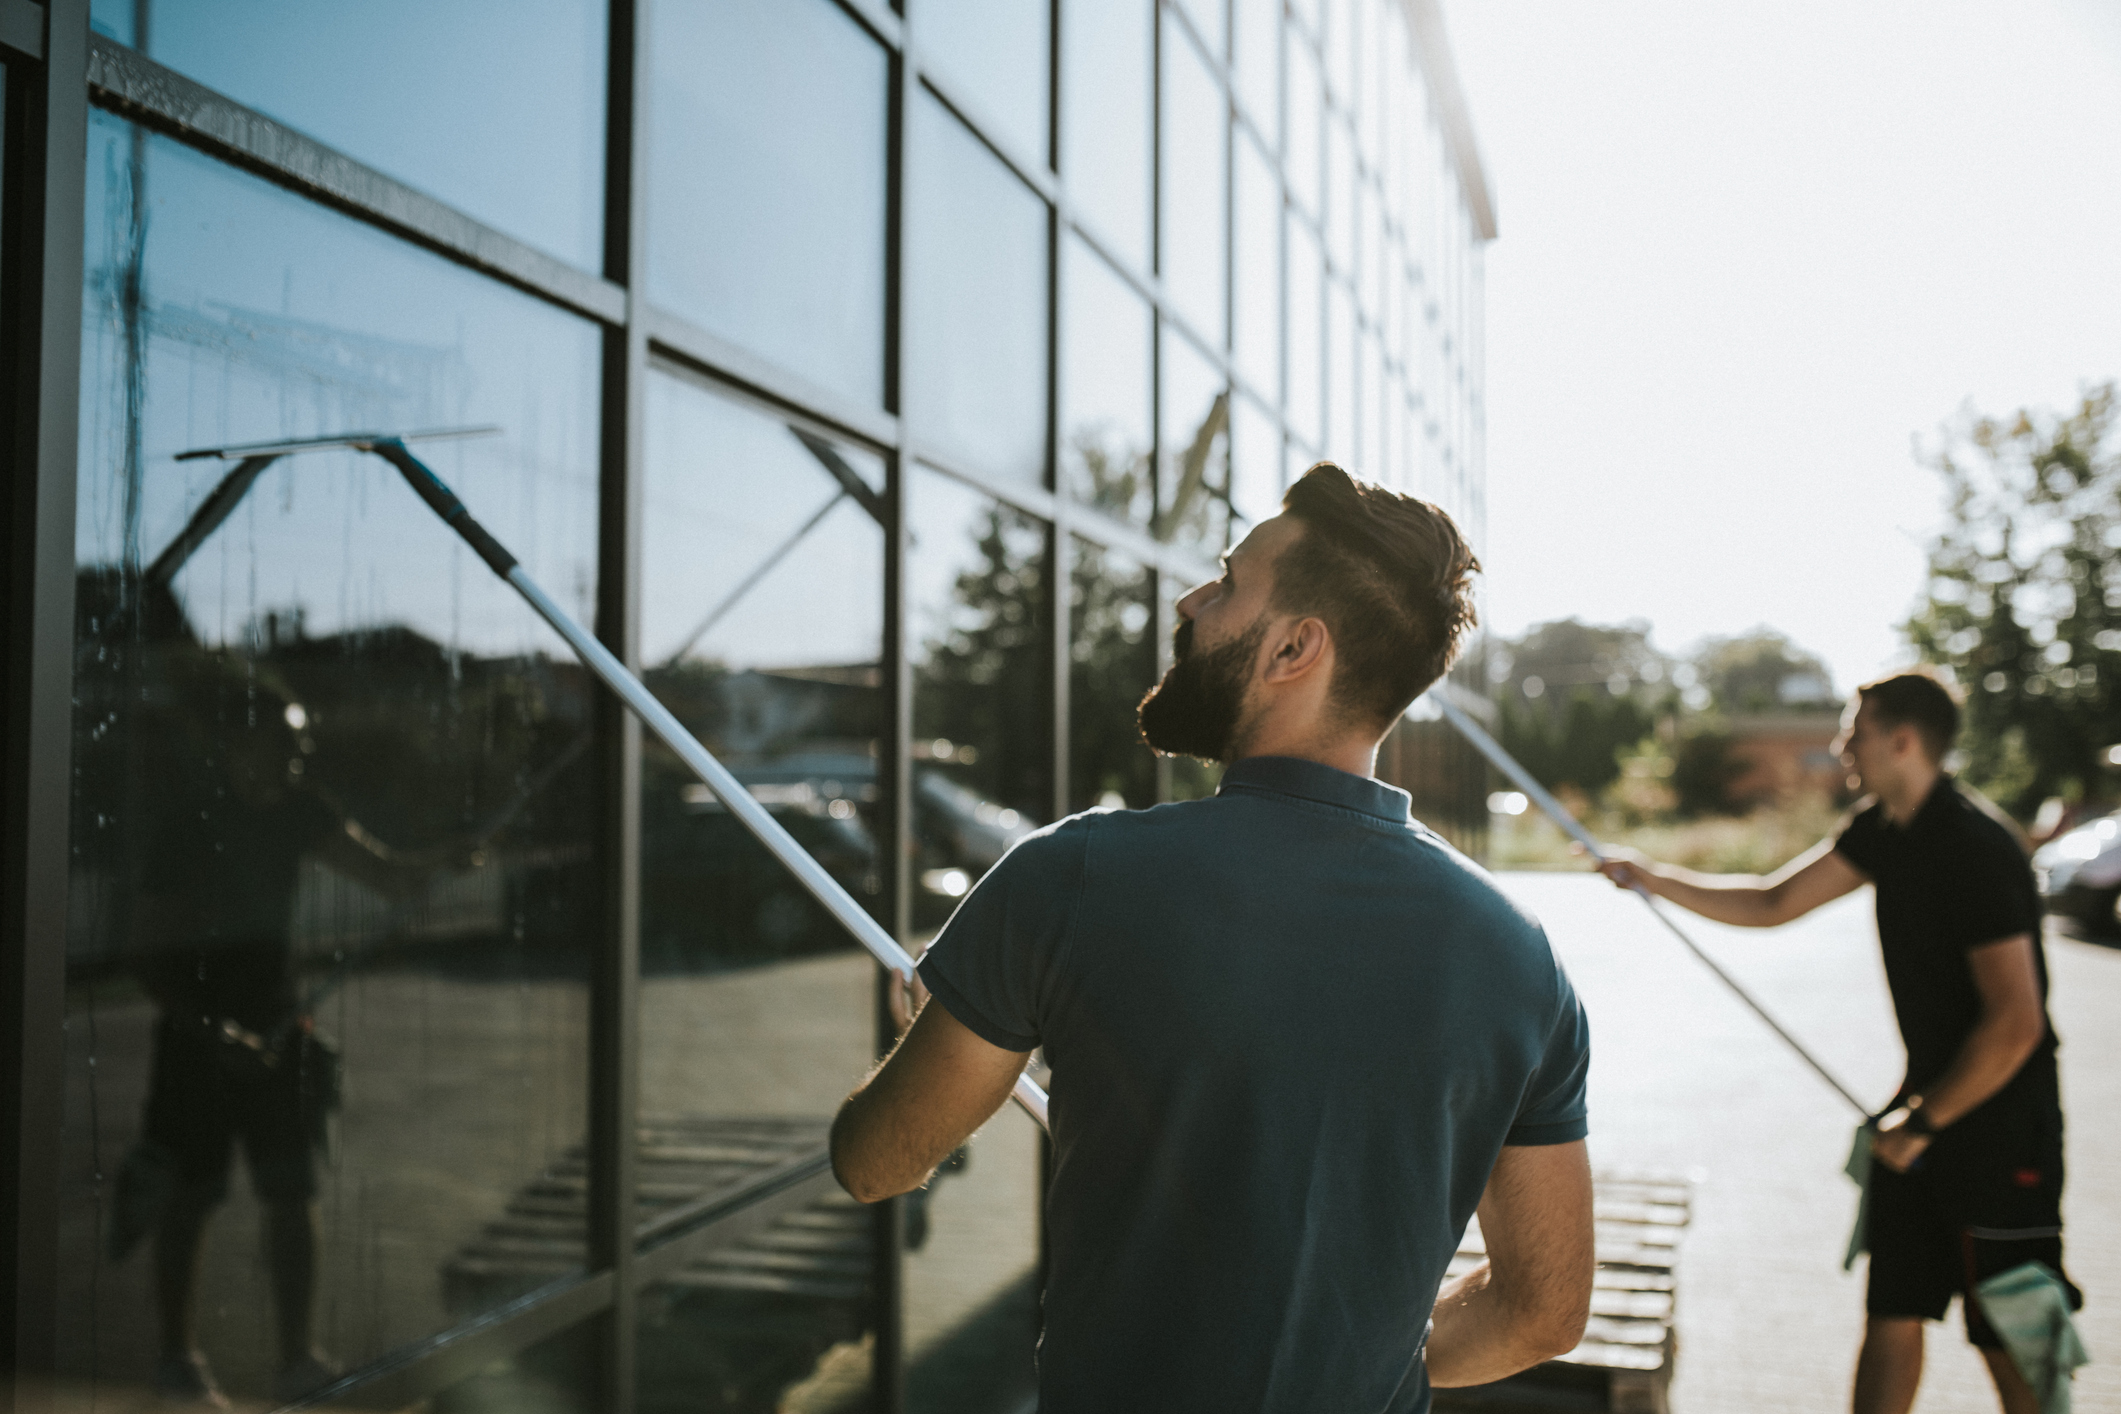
x: 2079, y: 873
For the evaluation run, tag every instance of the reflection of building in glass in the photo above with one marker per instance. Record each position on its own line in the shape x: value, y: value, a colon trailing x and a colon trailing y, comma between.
x: 877, y: 411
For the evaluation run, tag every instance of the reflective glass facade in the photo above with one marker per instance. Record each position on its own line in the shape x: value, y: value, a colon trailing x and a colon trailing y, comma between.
x: 399, y: 1025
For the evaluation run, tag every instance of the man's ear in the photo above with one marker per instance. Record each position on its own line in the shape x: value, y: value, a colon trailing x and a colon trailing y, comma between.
x: 1297, y: 650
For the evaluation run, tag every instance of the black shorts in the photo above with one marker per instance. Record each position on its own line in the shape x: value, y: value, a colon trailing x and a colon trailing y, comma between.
x: 1937, y: 1231
x: 205, y: 1094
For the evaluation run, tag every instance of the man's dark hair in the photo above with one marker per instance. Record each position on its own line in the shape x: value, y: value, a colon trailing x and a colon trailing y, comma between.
x: 1915, y: 699
x: 1392, y: 578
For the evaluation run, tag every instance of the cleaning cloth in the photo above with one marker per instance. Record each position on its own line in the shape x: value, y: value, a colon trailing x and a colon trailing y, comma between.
x: 2029, y: 1307
x: 1859, y: 1168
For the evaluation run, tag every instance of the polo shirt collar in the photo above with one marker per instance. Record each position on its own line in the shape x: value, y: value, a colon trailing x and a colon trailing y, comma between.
x: 1309, y: 780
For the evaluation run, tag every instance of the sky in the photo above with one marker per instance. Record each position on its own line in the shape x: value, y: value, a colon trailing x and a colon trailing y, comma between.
x: 1748, y: 255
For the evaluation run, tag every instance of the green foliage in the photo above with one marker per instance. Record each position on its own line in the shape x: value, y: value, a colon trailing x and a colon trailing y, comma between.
x: 1703, y: 769
x: 1576, y: 742
x: 2023, y: 603
x: 1762, y: 672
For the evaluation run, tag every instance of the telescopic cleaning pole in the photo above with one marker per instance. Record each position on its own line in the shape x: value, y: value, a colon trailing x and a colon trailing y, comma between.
x: 616, y: 676
x: 1487, y: 746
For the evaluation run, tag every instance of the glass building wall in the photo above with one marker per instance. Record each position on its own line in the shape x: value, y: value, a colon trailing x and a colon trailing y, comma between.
x: 427, y: 1035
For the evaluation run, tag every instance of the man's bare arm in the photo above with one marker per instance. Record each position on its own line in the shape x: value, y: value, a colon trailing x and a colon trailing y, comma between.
x: 2011, y: 1027
x: 940, y: 1084
x: 1529, y: 1301
x: 1819, y: 875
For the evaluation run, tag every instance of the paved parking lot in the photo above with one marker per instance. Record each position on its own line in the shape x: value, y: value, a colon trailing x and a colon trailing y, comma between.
x: 1685, y: 1079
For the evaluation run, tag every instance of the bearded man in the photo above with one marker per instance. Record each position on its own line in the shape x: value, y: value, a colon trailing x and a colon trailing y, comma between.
x: 1296, y: 1040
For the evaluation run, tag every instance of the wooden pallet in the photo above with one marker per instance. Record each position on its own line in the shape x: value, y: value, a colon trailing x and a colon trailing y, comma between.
x: 1624, y: 1363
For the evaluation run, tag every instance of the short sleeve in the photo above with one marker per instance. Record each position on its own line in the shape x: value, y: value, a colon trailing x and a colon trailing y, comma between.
x: 1554, y: 1109
x: 1858, y: 842
x: 991, y: 964
x: 1988, y: 894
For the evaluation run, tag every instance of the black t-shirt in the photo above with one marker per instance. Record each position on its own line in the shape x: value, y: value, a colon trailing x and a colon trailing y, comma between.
x: 1290, y: 1031
x: 1953, y: 879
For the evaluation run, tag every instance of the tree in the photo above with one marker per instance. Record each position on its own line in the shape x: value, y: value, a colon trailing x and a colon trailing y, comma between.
x: 2023, y: 605
x: 1574, y: 696
x: 1761, y: 671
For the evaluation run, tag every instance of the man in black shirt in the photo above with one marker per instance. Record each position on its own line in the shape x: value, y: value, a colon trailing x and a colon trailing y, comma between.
x: 1968, y: 1180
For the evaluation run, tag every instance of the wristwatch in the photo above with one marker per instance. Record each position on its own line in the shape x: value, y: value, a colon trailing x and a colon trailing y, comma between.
x: 1918, y: 1119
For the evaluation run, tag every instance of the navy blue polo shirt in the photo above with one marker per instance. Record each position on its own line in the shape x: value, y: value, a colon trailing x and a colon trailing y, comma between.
x: 1290, y: 1030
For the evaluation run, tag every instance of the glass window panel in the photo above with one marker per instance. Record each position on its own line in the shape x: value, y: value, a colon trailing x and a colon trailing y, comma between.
x: 1255, y: 464
x: 1108, y: 104
x: 335, y: 872
x: 766, y: 158
x: 1306, y: 330
x: 1340, y: 372
x: 1372, y: 457
x: 1257, y: 65
x: 557, y: 1375
x: 1257, y: 287
x: 1111, y: 665
x: 1304, y: 118
x: 1373, y: 50
x: 1106, y: 330
x: 1209, y: 23
x: 517, y: 87
x: 781, y: 1319
x: 1195, y: 127
x: 1194, y: 433
x: 976, y: 306
x: 994, y: 53
x: 762, y: 631
x: 977, y: 602
x: 1363, y: 270
x: 1338, y: 43
x: 1340, y: 197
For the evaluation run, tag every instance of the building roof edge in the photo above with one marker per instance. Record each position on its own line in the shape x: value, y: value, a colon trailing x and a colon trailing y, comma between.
x: 1432, y: 50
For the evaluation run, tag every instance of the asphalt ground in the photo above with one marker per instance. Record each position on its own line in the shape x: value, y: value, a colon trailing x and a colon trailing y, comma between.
x: 1684, y: 1079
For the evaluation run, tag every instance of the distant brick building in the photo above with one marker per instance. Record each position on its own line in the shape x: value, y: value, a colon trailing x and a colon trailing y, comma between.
x: 1783, y: 755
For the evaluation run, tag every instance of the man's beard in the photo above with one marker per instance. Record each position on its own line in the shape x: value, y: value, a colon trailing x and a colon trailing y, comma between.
x: 1196, y: 709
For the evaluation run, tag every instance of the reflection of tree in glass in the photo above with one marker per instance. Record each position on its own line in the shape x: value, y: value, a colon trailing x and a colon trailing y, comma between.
x: 985, y: 679
x: 1112, y: 658
x: 1195, y: 510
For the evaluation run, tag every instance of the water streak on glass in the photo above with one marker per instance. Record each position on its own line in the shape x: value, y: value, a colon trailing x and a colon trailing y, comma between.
x: 517, y: 87
x: 976, y: 300
x: 334, y: 876
x: 977, y: 593
x: 1192, y: 203
x: 994, y: 54
x: 1108, y: 73
x: 767, y: 163
x: 1104, y: 396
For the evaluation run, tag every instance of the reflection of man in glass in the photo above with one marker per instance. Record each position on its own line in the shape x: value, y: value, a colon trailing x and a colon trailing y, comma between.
x: 1295, y: 1039
x: 221, y: 811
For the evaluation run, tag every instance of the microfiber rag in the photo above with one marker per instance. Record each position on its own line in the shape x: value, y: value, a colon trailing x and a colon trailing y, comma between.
x: 1859, y: 1168
x: 2029, y: 1307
